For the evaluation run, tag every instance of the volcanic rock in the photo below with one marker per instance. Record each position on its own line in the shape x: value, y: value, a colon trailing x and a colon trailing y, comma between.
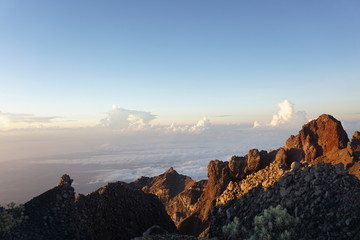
x: 117, y: 211
x: 51, y: 215
x: 324, y: 197
x: 323, y: 137
x: 177, y: 192
x: 355, y: 145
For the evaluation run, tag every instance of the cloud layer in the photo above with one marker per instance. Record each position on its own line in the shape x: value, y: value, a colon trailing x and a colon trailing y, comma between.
x: 13, y: 120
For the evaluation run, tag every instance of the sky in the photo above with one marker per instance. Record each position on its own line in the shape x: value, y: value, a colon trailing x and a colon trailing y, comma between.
x: 118, y: 89
x: 179, y: 60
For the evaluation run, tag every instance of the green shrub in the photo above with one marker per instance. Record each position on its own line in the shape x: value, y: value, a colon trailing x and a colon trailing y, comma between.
x: 274, y: 223
x: 10, y: 217
x: 232, y: 230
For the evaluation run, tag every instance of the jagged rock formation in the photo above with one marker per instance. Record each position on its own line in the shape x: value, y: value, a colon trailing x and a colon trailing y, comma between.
x: 323, y: 196
x: 179, y: 193
x: 321, y: 140
x: 264, y: 177
x: 115, y: 211
x: 122, y: 211
x: 166, y: 186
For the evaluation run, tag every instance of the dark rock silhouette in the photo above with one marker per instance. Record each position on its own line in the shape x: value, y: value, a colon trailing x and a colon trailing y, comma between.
x: 115, y: 211
x: 51, y: 215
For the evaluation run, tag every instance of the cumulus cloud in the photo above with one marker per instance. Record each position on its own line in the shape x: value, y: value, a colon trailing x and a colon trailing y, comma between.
x: 199, y: 127
x: 286, y: 116
x: 120, y: 118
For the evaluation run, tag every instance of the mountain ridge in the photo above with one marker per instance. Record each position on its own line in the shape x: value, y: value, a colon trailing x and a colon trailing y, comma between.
x: 200, y: 208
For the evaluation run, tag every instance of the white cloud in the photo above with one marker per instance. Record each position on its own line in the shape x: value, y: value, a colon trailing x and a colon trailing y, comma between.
x: 286, y: 116
x: 256, y: 124
x: 120, y: 118
x: 201, y: 126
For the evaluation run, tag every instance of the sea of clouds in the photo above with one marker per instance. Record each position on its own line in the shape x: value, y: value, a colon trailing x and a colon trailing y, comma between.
x: 125, y: 146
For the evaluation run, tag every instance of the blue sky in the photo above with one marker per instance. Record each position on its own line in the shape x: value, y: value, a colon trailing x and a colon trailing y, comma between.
x: 179, y: 60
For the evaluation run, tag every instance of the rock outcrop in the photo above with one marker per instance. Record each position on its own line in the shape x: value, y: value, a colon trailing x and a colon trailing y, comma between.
x: 324, y: 197
x: 51, y: 215
x: 115, y: 211
x: 178, y: 193
x: 355, y: 145
x: 321, y: 140
x: 220, y: 174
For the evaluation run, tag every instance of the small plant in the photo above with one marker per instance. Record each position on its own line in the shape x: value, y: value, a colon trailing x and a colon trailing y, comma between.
x: 274, y: 223
x: 10, y: 217
x: 232, y: 230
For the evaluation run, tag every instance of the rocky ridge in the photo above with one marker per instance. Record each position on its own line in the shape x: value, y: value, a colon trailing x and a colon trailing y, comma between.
x: 324, y: 197
x: 115, y: 211
x: 124, y: 211
x: 320, y: 140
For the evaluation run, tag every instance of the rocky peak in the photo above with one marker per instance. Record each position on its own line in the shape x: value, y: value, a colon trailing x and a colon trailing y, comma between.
x: 317, y: 138
x: 65, y: 180
x: 170, y: 170
x: 177, y: 192
x: 51, y: 215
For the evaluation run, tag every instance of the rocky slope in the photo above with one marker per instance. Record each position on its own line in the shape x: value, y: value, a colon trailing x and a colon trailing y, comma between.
x: 324, y: 197
x: 321, y: 140
x: 115, y: 211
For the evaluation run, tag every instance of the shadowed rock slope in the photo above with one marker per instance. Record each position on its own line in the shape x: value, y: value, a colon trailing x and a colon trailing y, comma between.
x: 324, y: 197
x: 115, y: 211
